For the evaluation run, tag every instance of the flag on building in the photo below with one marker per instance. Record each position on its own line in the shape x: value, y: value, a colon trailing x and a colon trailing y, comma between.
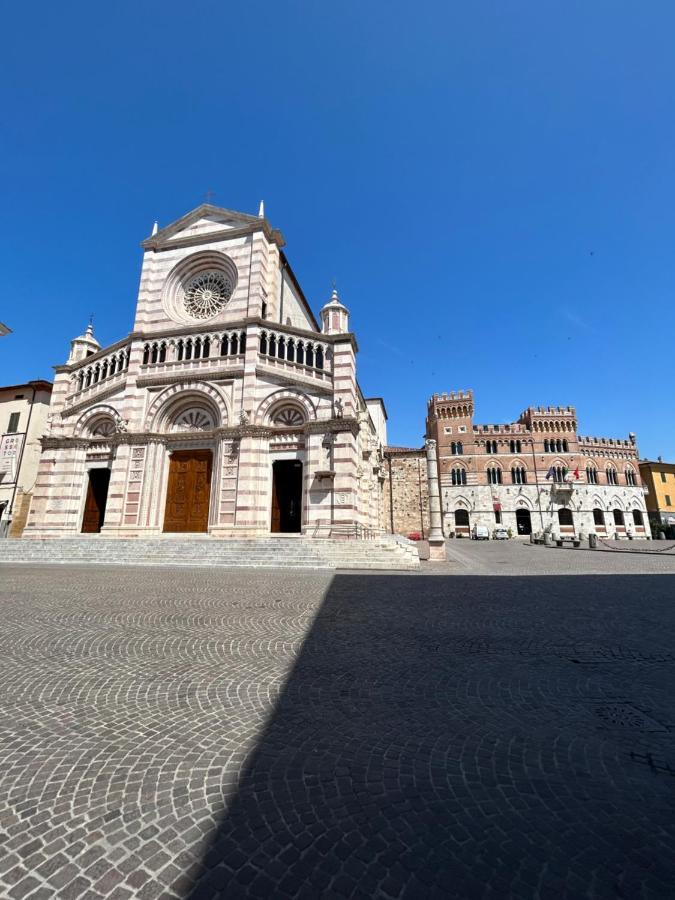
x: 550, y: 473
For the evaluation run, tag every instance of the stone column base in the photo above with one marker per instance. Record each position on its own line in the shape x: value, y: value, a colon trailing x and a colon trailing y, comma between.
x: 437, y: 549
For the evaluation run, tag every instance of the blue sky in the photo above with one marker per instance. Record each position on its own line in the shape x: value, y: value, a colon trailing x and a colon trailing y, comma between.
x: 492, y: 184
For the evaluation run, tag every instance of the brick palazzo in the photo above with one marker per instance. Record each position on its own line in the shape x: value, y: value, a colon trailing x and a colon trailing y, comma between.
x: 529, y: 475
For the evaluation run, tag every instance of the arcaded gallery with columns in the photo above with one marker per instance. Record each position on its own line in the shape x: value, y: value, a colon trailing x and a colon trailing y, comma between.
x: 229, y: 409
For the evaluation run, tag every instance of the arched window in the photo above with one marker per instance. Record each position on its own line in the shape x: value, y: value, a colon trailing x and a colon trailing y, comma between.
x: 546, y: 446
x: 273, y: 345
x: 559, y: 474
x: 206, y: 348
x: 565, y: 445
x: 491, y: 447
x: 300, y: 355
x: 515, y: 446
x: 290, y: 350
x: 565, y: 518
x: 97, y: 373
x: 80, y: 381
x: 242, y: 342
x: 309, y: 356
x: 89, y: 377
x: 281, y: 348
x: 518, y: 475
x: 318, y: 362
x: 104, y: 370
x: 630, y: 477
x: 494, y: 475
x: 618, y: 517
x: 598, y: 517
x: 461, y: 518
x: 198, y: 348
x: 591, y: 475
x: 638, y: 518
x: 610, y: 472
x: 458, y: 476
x: 146, y: 354
x: 113, y: 365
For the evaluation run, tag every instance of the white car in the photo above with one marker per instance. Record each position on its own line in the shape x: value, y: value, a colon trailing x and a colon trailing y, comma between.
x: 500, y: 534
x: 480, y: 533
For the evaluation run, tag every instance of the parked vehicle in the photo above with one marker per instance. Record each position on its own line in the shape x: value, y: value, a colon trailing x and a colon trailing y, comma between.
x: 480, y: 533
x: 500, y: 533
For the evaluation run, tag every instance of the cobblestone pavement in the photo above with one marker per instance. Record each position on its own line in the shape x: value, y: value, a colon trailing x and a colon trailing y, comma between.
x: 190, y: 734
x: 518, y: 557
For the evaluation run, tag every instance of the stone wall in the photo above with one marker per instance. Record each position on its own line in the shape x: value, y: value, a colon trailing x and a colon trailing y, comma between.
x: 406, y: 491
x: 21, y: 507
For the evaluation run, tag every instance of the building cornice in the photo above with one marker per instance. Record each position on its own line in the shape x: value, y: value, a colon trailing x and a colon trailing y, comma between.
x: 158, y: 243
x: 190, y: 376
x: 95, y: 399
x: 235, y: 432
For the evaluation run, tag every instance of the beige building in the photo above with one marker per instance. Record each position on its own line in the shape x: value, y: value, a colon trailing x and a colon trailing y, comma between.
x: 23, y: 417
x: 659, y: 479
x: 228, y: 409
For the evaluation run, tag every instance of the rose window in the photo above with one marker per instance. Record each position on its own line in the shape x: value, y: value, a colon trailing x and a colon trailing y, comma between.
x: 207, y: 294
x: 289, y: 418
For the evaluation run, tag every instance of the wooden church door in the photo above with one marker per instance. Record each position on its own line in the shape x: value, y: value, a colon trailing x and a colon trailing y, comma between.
x: 188, y: 491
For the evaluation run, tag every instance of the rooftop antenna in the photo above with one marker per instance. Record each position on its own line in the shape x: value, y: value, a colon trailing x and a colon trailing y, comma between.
x: 261, y: 210
x: 155, y: 228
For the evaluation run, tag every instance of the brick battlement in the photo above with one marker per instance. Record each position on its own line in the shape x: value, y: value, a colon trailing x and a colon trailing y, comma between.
x: 453, y: 395
x: 607, y: 442
x: 511, y: 428
x: 549, y: 411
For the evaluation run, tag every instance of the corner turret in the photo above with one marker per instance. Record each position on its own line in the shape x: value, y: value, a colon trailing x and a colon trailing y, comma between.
x: 83, y: 346
x: 334, y: 316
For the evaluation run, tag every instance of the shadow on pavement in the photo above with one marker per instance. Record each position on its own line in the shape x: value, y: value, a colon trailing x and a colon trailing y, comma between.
x: 465, y: 737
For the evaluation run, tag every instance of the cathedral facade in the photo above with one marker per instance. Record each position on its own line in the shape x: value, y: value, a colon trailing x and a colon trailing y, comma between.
x: 229, y: 409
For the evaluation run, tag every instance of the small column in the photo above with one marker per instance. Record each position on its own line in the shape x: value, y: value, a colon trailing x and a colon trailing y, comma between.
x: 437, y: 549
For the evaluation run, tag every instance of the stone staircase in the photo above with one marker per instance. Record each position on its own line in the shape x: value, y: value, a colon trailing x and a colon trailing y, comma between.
x: 383, y: 553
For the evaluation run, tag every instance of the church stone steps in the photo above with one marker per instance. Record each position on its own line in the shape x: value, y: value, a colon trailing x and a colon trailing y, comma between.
x: 381, y: 554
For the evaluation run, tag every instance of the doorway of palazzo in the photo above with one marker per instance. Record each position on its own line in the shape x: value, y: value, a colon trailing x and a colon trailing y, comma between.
x: 523, y: 521
x: 286, y: 496
x: 97, y: 497
x: 188, y: 491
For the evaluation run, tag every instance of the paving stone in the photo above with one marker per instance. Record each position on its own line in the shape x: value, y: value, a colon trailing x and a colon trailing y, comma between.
x: 186, y: 733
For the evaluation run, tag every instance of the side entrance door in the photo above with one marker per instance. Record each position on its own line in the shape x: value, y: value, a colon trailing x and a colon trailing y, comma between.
x: 188, y: 491
x: 94, y: 505
x: 286, y: 496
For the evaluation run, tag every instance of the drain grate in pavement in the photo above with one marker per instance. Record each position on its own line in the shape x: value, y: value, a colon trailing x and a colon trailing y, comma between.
x: 625, y: 715
x: 658, y: 766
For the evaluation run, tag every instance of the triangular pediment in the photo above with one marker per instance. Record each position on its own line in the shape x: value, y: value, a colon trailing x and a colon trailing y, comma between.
x: 207, y: 221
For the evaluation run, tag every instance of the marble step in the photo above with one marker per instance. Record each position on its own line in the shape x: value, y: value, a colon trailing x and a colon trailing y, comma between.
x: 381, y: 553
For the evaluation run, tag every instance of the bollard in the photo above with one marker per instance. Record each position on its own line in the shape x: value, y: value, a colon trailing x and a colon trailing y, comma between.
x: 593, y: 541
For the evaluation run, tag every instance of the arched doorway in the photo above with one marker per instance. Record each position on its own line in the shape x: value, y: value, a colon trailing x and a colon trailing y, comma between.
x: 189, y: 491
x: 461, y: 522
x: 286, y: 496
x: 523, y: 521
x: 565, y: 519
